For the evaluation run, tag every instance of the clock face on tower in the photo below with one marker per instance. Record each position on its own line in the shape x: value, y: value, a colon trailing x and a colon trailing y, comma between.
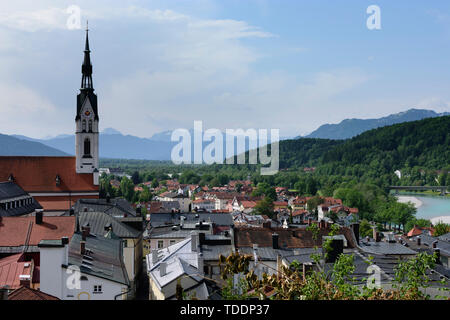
x: 87, y: 113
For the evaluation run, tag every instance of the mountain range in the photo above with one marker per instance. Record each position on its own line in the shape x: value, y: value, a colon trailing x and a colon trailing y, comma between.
x: 114, y: 144
x: 349, y: 128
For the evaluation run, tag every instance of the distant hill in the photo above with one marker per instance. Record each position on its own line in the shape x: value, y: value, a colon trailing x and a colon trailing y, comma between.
x: 115, y: 145
x: 424, y: 143
x: 352, y: 127
x: 12, y: 146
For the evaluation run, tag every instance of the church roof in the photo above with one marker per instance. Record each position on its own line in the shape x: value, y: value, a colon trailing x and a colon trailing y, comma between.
x: 38, y: 174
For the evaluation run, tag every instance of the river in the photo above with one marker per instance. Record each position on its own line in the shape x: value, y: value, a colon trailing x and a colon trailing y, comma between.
x: 429, y: 207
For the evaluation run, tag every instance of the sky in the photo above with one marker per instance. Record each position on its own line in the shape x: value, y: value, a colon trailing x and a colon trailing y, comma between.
x: 291, y: 65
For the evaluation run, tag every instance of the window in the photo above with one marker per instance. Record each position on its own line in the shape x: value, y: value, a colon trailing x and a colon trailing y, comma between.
x: 87, y: 147
x: 172, y: 242
x: 160, y: 244
x: 98, y: 288
x: 84, y: 126
x: 90, y: 125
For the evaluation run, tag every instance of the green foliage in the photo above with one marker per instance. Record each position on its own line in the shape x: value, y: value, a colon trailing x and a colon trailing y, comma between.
x: 411, y: 275
x: 441, y: 228
x: 417, y: 222
x: 264, y: 207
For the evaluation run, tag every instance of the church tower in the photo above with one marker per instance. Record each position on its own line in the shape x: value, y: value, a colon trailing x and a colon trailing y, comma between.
x: 86, y: 134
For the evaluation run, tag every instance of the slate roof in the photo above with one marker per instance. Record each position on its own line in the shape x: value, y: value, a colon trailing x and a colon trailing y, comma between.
x: 25, y: 293
x: 105, y: 257
x: 180, y: 260
x: 442, y: 245
x: 10, y: 191
x: 386, y: 248
x: 116, y: 207
x: 287, y: 238
x: 99, y: 220
x: 220, y: 219
x: 445, y: 237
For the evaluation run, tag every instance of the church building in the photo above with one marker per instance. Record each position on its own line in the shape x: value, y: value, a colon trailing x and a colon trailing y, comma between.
x: 58, y: 182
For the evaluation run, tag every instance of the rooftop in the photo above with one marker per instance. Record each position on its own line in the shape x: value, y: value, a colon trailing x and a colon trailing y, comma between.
x: 38, y: 174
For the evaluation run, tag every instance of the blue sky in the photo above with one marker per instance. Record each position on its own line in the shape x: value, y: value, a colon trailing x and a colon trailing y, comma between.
x: 160, y: 65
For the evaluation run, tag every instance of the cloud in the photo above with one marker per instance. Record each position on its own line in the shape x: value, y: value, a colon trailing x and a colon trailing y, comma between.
x: 32, y: 21
x: 160, y: 69
x: 24, y: 110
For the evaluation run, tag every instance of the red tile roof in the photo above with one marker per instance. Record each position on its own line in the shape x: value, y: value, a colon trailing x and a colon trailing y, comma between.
x: 14, y: 230
x: 24, y: 293
x: 11, y: 268
x: 38, y: 174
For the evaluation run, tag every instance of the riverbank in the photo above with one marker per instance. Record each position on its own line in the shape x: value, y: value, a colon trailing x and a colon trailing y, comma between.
x: 405, y: 199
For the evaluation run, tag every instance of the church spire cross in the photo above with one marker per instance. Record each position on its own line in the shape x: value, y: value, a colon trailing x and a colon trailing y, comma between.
x: 86, y: 68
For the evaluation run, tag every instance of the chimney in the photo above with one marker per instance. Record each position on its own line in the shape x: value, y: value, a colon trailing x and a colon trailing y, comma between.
x: 154, y: 256
x: 275, y: 241
x: 162, y: 269
x: 82, y: 247
x: 193, y: 242
x: 3, y: 293
x: 376, y: 235
x: 201, y: 238
x: 418, y: 241
x: 355, y: 228
x: 39, y: 216
x: 337, y: 247
x: 86, y: 229
x: 181, y: 222
x: 279, y: 265
x: 65, y: 242
x: 200, y: 263
x: 25, y: 280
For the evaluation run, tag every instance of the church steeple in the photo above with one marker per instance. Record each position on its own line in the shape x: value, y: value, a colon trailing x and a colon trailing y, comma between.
x: 86, y: 68
x: 86, y: 119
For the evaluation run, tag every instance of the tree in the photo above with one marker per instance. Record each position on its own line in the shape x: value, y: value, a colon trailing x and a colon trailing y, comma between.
x: 421, y: 223
x: 264, y: 207
x: 402, y: 213
x: 135, y: 178
x: 127, y: 188
x: 365, y: 228
x: 441, y: 228
x: 155, y: 184
x: 311, y: 186
x: 313, y: 203
x: 145, y: 195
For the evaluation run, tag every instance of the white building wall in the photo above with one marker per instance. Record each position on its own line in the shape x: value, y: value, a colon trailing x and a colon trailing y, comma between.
x: 51, y: 277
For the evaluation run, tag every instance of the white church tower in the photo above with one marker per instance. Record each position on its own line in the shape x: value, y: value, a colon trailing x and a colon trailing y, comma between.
x: 86, y: 134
